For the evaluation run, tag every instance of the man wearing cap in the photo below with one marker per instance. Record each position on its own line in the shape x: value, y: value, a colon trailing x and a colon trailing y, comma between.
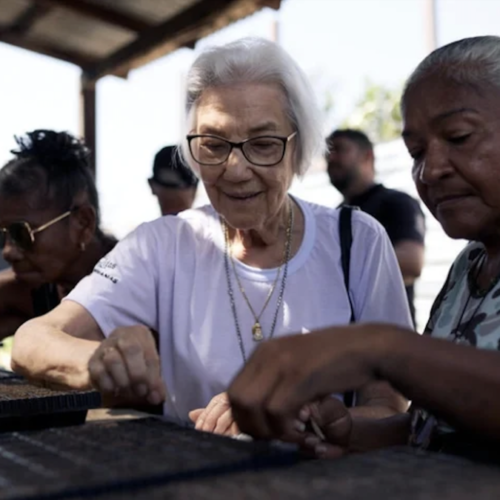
x: 172, y: 183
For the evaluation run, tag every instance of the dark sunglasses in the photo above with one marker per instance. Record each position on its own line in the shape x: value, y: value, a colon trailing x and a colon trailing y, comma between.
x: 23, y: 235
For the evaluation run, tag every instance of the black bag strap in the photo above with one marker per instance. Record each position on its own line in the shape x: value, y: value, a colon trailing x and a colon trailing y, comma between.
x: 345, y: 235
x: 44, y: 299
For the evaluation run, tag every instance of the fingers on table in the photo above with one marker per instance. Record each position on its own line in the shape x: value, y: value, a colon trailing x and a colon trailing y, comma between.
x: 217, y: 416
x: 127, y: 362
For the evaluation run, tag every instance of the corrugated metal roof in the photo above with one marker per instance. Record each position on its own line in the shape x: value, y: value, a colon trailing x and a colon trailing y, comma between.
x: 114, y: 36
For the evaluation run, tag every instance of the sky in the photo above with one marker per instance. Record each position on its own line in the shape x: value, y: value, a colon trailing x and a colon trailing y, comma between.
x: 339, y: 43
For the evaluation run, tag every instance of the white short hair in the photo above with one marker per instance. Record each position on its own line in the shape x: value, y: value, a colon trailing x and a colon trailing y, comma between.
x: 256, y: 60
x: 472, y: 61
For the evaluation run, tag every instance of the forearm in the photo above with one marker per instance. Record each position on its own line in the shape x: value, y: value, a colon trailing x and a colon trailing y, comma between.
x: 374, y: 412
x: 458, y: 383
x: 373, y: 433
x: 410, y: 257
x: 410, y: 272
x: 378, y: 399
x: 380, y: 420
x: 45, y: 353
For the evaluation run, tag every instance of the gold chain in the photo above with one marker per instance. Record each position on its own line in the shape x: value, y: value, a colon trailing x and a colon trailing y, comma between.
x: 242, y: 290
x: 257, y: 334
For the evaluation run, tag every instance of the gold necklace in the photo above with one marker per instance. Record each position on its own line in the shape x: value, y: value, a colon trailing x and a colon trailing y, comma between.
x: 257, y: 333
x: 256, y: 328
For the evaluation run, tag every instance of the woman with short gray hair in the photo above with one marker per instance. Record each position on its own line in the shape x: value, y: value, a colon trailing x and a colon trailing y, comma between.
x: 255, y: 61
x: 216, y: 281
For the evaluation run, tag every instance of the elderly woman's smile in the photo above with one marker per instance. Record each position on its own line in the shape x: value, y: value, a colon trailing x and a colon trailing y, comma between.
x: 243, y: 196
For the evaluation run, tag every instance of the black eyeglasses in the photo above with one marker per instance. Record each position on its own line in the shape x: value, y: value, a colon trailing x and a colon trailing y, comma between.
x: 263, y: 151
x: 23, y: 235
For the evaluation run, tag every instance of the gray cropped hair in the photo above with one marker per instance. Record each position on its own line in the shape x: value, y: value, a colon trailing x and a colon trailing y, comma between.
x: 256, y: 60
x: 472, y: 61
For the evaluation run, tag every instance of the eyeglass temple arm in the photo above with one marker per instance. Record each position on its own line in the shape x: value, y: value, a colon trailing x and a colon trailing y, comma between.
x: 53, y: 221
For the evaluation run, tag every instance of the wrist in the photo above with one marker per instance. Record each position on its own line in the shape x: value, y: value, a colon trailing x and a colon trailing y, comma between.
x: 389, y: 351
x: 74, y: 373
x: 371, y: 434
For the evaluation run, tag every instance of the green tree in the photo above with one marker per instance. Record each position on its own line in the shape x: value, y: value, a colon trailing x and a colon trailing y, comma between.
x: 377, y: 113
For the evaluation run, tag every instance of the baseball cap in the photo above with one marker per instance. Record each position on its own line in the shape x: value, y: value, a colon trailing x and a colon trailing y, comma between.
x: 168, y: 170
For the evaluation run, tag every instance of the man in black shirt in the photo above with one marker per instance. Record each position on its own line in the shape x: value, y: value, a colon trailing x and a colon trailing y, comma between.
x: 351, y: 170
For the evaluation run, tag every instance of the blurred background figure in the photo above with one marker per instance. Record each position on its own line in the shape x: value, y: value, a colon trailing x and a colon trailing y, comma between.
x: 172, y: 183
x: 351, y: 168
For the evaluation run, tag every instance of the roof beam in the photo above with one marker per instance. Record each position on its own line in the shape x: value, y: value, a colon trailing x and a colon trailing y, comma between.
x: 101, y: 13
x: 45, y: 49
x: 177, y: 30
x: 272, y: 4
x: 26, y: 20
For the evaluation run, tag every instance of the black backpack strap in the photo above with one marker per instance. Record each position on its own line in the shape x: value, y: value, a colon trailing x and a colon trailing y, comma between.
x: 345, y: 234
x: 44, y: 299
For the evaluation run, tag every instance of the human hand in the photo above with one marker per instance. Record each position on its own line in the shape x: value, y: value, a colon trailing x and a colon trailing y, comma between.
x: 335, y: 423
x: 285, y: 374
x: 217, y: 417
x: 128, y: 362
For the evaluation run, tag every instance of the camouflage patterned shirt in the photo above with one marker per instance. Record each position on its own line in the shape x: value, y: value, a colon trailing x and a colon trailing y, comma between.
x: 461, y: 314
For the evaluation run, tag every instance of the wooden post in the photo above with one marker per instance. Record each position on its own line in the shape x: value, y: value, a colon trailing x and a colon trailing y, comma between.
x: 88, y: 117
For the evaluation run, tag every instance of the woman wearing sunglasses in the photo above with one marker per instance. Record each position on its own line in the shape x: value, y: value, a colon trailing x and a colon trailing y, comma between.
x: 49, y: 225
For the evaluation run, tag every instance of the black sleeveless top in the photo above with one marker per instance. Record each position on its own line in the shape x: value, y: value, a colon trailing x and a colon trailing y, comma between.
x: 46, y: 297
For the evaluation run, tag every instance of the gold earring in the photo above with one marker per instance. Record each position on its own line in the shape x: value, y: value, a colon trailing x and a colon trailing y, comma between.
x: 83, y: 246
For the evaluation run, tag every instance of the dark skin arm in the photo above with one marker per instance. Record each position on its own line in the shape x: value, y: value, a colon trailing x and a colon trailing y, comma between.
x: 378, y: 399
x: 378, y: 420
x: 458, y: 383
x: 15, y: 303
x: 404, y: 223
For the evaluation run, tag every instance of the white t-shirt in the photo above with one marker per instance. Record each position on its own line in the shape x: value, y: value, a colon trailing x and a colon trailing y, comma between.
x: 170, y: 275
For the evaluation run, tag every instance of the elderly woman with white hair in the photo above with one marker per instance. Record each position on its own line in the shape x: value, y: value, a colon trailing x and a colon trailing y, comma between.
x: 214, y: 282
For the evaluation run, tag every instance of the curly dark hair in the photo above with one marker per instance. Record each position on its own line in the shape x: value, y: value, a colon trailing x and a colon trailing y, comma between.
x: 54, y: 166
